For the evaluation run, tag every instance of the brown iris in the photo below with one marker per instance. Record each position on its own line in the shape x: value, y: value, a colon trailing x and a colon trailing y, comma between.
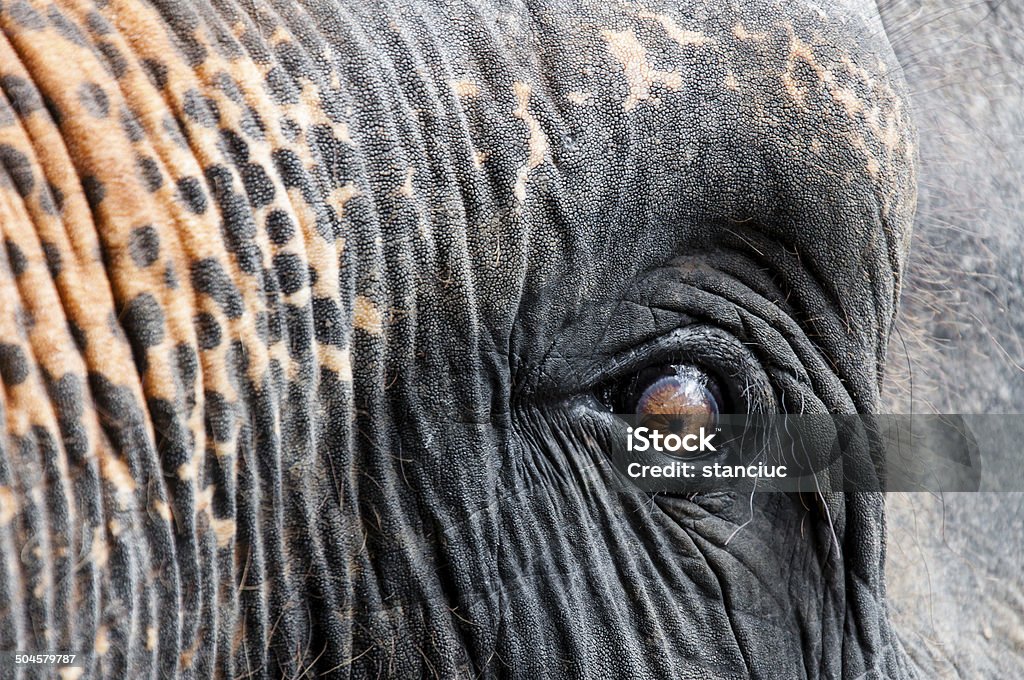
x: 679, y: 402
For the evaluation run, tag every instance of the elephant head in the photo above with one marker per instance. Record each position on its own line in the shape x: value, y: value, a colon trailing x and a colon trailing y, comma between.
x: 318, y: 317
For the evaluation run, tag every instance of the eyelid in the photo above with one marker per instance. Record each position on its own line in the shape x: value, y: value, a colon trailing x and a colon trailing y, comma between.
x: 741, y: 378
x: 675, y: 347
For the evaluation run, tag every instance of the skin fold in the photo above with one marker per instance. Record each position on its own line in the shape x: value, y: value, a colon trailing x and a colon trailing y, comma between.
x: 303, y: 306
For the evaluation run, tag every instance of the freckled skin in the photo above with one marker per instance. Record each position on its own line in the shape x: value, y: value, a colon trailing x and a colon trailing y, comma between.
x: 297, y: 296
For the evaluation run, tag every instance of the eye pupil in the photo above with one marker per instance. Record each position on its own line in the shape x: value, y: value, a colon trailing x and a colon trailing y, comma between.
x: 679, y: 402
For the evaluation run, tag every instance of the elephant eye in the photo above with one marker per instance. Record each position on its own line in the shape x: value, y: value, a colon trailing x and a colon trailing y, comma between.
x: 670, y: 398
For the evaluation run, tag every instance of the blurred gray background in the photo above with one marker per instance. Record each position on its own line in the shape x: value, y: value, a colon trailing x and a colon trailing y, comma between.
x: 956, y: 560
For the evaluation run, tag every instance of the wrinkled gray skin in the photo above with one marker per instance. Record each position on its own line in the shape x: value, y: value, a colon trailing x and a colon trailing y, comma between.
x: 953, y: 572
x: 389, y: 465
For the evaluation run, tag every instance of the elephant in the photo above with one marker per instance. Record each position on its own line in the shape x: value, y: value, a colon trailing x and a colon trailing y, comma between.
x: 318, y: 317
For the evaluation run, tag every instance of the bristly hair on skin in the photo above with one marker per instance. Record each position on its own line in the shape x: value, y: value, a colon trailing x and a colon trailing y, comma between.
x: 956, y: 346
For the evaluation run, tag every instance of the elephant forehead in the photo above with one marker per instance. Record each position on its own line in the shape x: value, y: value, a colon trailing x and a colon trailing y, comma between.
x: 655, y: 123
x: 641, y: 133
